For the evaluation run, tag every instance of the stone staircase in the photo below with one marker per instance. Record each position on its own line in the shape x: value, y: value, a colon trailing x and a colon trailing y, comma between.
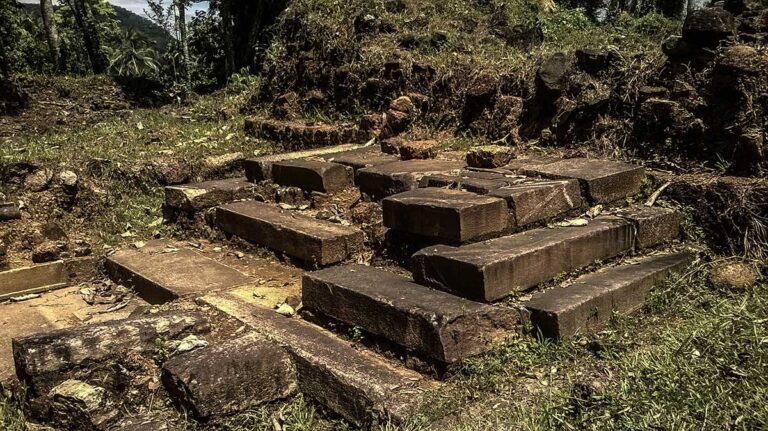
x: 490, y: 242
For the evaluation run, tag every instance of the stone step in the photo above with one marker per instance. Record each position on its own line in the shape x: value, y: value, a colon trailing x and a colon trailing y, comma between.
x: 312, y: 175
x: 397, y: 177
x: 443, y: 326
x: 491, y: 270
x: 360, y: 158
x: 602, y: 181
x: 260, y: 168
x: 590, y: 300
x: 199, y: 196
x: 452, y: 216
x: 354, y: 383
x: 317, y: 242
x: 160, y: 274
x: 533, y: 201
x: 33, y: 279
x: 529, y: 200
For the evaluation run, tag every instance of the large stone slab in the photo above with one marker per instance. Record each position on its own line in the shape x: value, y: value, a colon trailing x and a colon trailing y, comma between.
x: 493, y: 269
x: 44, y: 360
x: 654, y: 225
x: 441, y: 325
x: 260, y: 168
x: 533, y: 201
x: 161, y: 275
x: 397, y: 177
x: 356, y: 384
x: 33, y: 279
x: 601, y: 180
x: 230, y: 377
x: 449, y: 215
x: 208, y: 194
x: 314, y: 241
x: 590, y: 301
x: 312, y: 175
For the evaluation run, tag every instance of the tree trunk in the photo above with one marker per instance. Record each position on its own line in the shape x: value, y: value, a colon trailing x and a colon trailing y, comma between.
x: 181, y: 23
x: 84, y: 21
x: 51, y: 33
x: 229, y: 48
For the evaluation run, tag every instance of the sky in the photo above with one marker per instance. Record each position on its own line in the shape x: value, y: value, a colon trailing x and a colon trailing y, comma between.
x: 138, y: 6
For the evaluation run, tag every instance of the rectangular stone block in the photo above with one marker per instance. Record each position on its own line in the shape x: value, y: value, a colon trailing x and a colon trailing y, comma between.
x: 533, y: 201
x: 312, y: 175
x: 601, y: 181
x: 443, y: 326
x: 493, y: 269
x: 208, y: 194
x: 654, y: 225
x: 230, y: 377
x: 260, y: 168
x: 356, y: 384
x: 589, y: 302
x: 450, y: 215
x: 361, y: 158
x: 159, y: 276
x: 33, y: 279
x: 397, y: 177
x: 314, y: 241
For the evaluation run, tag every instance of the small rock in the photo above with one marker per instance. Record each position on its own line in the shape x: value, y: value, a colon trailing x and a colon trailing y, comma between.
x: 733, y: 276
x: 68, y: 179
x: 9, y: 211
x: 294, y: 301
x: 490, y: 156
x: 53, y: 231
x: 38, y: 180
x: 285, y: 310
x: 190, y: 343
x: 418, y: 149
x: 48, y: 251
x: 76, y: 405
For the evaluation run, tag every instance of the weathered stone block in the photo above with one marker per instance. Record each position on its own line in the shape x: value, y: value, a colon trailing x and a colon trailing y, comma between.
x: 443, y: 326
x: 493, y: 269
x: 533, y: 201
x: 312, y: 175
x: 9, y: 211
x: 199, y: 196
x: 490, y: 156
x: 360, y: 386
x: 260, y: 168
x: 601, y: 180
x: 79, y: 406
x: 450, y: 215
x: 392, y: 178
x: 33, y: 279
x: 230, y: 377
x: 654, y: 225
x: 314, y: 241
x: 590, y: 301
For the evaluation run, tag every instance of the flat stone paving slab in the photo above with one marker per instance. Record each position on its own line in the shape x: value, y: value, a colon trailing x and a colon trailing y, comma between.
x: 441, y: 325
x: 450, y: 215
x: 533, y: 201
x: 208, y: 194
x: 354, y: 383
x: 33, y: 279
x: 493, y: 269
x: 602, y: 181
x: 260, y: 168
x: 312, y: 175
x: 590, y: 300
x: 159, y: 275
x: 314, y: 241
x: 397, y: 177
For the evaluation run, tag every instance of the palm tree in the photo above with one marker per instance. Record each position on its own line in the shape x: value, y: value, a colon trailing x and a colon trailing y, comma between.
x: 133, y: 56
